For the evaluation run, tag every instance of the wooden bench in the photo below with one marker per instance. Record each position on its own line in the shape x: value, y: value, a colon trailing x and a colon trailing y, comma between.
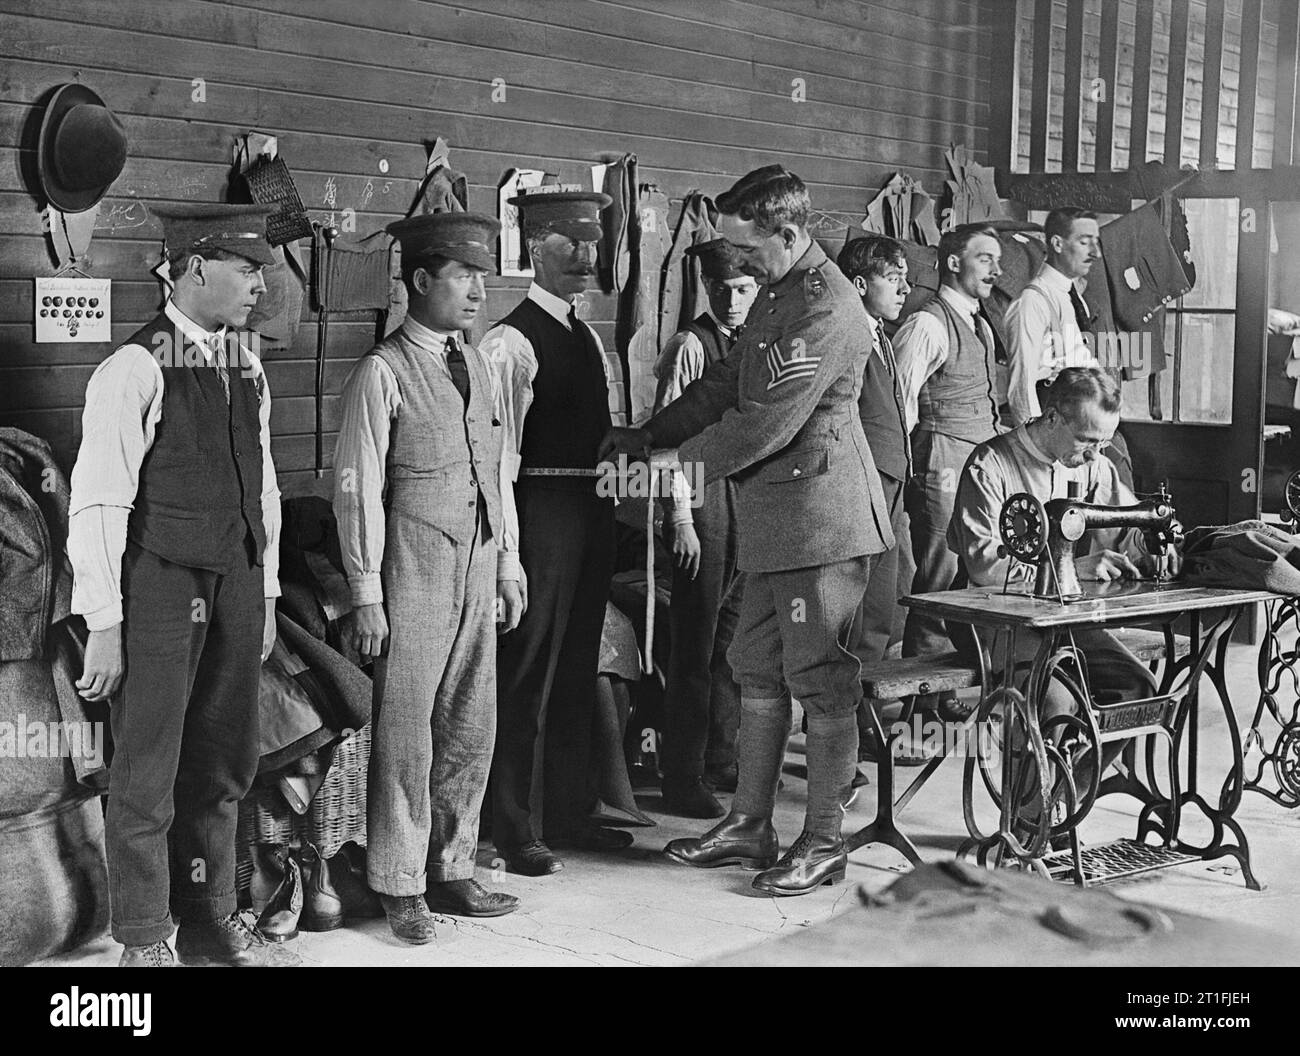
x: 893, y: 680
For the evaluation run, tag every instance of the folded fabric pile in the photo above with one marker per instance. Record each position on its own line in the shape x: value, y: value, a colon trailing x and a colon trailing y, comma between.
x: 1247, y: 555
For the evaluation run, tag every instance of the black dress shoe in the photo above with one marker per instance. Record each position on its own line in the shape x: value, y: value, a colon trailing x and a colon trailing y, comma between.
x: 533, y: 859
x: 155, y: 955
x: 690, y: 799
x: 746, y: 840
x: 227, y: 942
x: 810, y: 862
x: 410, y: 918
x: 468, y: 898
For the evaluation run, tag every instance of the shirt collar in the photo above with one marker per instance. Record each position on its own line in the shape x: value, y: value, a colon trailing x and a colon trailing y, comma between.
x: 191, y: 330
x: 425, y: 336
x: 723, y: 328
x: 1053, y: 279
x: 959, y: 299
x: 556, y: 307
x: 814, y: 257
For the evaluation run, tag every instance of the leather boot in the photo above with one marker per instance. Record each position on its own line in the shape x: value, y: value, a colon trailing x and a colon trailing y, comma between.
x: 811, y: 861
x: 746, y: 840
x: 350, y: 882
x: 282, y: 914
x: 322, y: 908
x: 690, y: 799
x: 230, y: 942
x: 410, y: 918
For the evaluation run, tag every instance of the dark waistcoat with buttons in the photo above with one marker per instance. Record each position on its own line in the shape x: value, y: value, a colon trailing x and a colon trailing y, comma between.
x: 960, y: 398
x: 716, y: 345
x: 443, y: 455
x: 883, y: 418
x: 199, y: 500
x: 569, y: 414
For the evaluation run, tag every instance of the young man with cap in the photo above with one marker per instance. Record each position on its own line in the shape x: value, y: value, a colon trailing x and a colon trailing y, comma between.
x: 425, y: 519
x: 947, y: 366
x: 174, y: 543
x: 780, y: 414
x: 554, y: 382
x: 701, y: 699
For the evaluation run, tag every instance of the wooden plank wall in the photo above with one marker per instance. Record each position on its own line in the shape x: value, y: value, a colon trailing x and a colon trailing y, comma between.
x: 1132, y: 46
x: 701, y: 92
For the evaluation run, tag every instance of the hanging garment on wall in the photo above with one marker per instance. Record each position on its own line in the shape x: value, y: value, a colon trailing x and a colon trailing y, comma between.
x: 903, y: 210
x: 652, y: 246
x: 443, y: 190
x: 614, y: 256
x: 356, y: 274
x: 278, y: 312
x: 972, y: 191
x: 683, y: 296
x: 1144, y: 271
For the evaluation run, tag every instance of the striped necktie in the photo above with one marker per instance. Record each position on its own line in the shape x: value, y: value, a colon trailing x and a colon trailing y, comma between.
x: 218, y: 349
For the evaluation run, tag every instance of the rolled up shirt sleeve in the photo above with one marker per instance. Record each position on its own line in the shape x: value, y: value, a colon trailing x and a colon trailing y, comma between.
x: 508, y: 567
x: 680, y: 363
x: 1029, y: 353
x: 370, y: 400
x: 123, y: 408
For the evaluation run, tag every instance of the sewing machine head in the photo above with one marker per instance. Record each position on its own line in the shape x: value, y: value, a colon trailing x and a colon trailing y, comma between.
x: 1045, y: 534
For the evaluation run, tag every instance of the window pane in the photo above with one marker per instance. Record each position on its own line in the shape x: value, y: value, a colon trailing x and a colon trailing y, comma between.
x: 1136, y: 394
x: 1212, y: 231
x: 1205, y: 379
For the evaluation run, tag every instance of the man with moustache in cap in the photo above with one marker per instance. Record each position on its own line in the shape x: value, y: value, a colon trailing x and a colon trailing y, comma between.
x: 701, y: 699
x: 780, y: 414
x: 174, y: 543
x: 554, y: 382
x: 426, y: 527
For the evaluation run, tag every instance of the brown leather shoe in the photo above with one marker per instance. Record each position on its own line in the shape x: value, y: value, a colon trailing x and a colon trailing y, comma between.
x: 810, y: 862
x: 410, y: 918
x: 746, y: 840
x: 468, y: 898
x: 228, y: 942
x: 155, y: 955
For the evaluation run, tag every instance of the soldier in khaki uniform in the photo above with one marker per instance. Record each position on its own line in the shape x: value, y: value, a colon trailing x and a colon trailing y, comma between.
x: 780, y: 416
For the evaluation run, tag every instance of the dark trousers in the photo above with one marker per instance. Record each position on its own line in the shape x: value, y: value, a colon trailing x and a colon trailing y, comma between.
x: 185, y: 736
x: 880, y: 621
x: 701, y: 698
x: 541, y: 783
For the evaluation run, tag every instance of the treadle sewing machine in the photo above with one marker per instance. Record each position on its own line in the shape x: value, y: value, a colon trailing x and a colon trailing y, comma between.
x: 1047, y: 783
x: 1046, y: 534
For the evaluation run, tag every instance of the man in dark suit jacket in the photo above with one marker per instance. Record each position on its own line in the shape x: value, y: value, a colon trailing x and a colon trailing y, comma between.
x: 780, y: 415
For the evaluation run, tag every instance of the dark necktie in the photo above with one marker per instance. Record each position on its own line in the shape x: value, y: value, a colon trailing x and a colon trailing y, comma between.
x: 459, y: 370
x: 1082, y: 317
x: 887, y: 352
x: 999, y: 349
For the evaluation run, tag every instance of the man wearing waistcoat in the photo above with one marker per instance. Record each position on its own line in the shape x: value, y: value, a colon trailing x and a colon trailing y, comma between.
x: 174, y: 546
x: 701, y: 698
x: 426, y: 527
x: 877, y: 267
x: 947, y: 354
x: 553, y: 378
x: 780, y: 415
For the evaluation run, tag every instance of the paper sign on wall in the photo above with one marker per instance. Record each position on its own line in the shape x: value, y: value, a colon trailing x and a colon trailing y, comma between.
x: 70, y: 309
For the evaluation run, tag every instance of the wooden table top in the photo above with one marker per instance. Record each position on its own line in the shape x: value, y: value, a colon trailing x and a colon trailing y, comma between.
x: 1102, y: 603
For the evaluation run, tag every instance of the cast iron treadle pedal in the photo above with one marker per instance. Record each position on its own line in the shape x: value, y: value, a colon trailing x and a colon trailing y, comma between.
x: 1106, y: 863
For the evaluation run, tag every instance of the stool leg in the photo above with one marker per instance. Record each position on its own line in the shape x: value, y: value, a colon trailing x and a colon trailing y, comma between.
x: 883, y: 829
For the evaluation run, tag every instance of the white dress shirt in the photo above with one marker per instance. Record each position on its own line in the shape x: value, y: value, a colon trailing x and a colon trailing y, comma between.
x: 682, y: 362
x: 1042, y: 340
x: 921, y: 348
x: 371, y: 401
x: 123, y: 408
x: 512, y: 356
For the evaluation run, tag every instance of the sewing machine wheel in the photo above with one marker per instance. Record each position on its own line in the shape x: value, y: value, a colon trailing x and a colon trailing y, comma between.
x: 1291, y: 495
x: 1286, y: 759
x: 1023, y: 524
x: 1076, y: 748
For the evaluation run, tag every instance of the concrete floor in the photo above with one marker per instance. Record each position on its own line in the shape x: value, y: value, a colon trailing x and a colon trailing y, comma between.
x: 637, y: 908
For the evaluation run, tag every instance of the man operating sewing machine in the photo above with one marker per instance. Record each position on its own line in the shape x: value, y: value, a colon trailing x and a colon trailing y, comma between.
x: 1043, y: 457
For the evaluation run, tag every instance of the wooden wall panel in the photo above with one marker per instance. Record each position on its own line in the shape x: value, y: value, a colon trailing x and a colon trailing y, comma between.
x: 700, y: 92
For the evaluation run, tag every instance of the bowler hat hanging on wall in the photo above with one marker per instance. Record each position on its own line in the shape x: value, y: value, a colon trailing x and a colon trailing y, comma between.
x: 81, y: 149
x: 269, y: 183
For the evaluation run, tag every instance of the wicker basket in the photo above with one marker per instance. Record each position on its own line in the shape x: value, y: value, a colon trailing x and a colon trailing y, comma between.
x: 336, y: 815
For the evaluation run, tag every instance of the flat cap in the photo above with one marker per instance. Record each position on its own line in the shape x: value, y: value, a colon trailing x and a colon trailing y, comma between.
x: 192, y: 227
x: 718, y: 259
x: 575, y: 214
x: 466, y: 237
